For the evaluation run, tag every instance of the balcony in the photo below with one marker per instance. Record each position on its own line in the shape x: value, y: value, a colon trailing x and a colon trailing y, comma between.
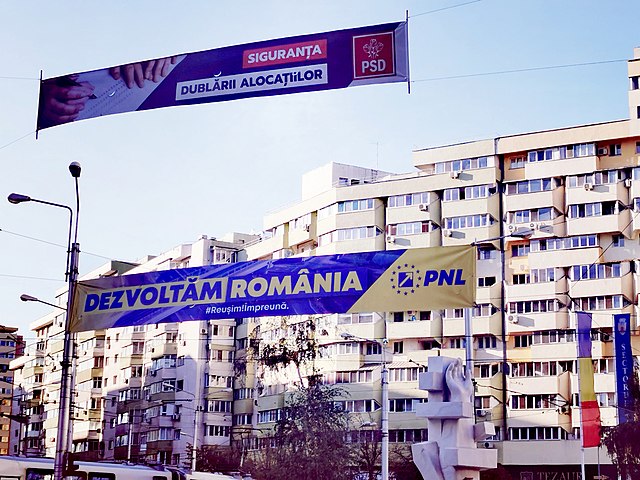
x: 422, y: 240
x: 525, y: 201
x: 600, y: 224
x: 536, y: 290
x: 598, y: 193
x: 350, y: 246
x: 266, y: 247
x: 416, y: 213
x: 416, y: 329
x: 561, y: 168
x: 564, y: 258
x: 607, y: 286
x: 363, y: 218
x: 302, y: 235
x: 465, y: 236
x: 528, y: 322
x: 458, y: 208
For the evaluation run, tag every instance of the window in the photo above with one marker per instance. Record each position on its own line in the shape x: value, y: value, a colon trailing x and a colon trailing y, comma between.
x: 530, y: 186
x: 535, y: 306
x: 486, y: 370
x: 520, y: 250
x: 486, y: 341
x: 465, y: 164
x: 467, y: 193
x: 398, y: 347
x: 486, y: 281
x: 408, y: 199
x: 618, y: 240
x: 469, y: 221
x: 615, y: 150
x: 580, y: 241
x: 516, y: 162
x: 538, y: 433
x: 410, y: 228
x: 399, y: 405
x: 522, y: 341
x: 603, y: 302
x: 373, y: 348
x: 595, y: 271
x: 354, y: 206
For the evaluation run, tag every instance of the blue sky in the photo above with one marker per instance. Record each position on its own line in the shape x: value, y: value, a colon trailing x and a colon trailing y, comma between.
x: 152, y: 180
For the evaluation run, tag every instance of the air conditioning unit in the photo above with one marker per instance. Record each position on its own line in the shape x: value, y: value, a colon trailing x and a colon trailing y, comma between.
x: 606, y: 337
x: 455, y: 174
x: 511, y: 227
x: 423, y: 207
x: 628, y: 182
x: 204, y: 331
x: 391, y: 239
x: 588, y: 186
x: 512, y: 318
x: 153, y: 373
x: 533, y: 226
x: 482, y: 413
x: 603, y: 151
x: 447, y: 233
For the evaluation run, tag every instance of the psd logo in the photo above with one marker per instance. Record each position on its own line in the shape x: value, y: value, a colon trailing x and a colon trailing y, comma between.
x: 373, y: 55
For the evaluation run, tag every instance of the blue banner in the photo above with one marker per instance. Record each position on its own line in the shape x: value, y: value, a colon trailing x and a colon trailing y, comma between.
x: 321, y: 61
x: 624, y: 363
x: 395, y: 280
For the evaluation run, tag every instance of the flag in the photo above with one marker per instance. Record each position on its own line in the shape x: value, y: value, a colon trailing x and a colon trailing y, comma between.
x: 590, y: 412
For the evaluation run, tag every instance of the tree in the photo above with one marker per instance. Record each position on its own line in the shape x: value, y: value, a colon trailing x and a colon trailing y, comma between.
x: 621, y: 440
x: 309, y: 439
x: 215, y: 458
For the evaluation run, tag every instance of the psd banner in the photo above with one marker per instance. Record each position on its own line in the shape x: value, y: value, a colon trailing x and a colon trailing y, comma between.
x: 394, y: 280
x: 321, y: 61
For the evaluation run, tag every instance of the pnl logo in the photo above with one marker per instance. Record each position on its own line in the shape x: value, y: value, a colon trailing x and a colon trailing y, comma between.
x: 373, y: 55
x: 405, y: 279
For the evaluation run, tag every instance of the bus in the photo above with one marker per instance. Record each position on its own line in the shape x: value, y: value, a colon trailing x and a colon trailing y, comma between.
x: 40, y: 468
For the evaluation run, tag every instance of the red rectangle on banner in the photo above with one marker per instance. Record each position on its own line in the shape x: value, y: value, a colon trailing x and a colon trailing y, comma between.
x: 291, y: 53
x: 373, y: 55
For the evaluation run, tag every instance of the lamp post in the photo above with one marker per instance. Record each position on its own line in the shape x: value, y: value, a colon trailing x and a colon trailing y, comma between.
x: 64, y: 434
x: 384, y: 414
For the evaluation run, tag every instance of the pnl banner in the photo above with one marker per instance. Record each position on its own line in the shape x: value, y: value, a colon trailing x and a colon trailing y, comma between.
x: 395, y: 280
x: 624, y: 364
x: 322, y: 61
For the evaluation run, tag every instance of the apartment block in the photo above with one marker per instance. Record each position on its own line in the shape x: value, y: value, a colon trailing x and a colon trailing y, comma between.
x: 554, y: 217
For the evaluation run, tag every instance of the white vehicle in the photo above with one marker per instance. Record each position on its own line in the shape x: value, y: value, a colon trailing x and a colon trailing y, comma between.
x: 25, y: 468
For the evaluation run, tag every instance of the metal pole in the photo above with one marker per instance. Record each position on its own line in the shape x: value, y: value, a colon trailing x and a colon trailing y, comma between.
x: 384, y: 382
x: 195, y: 439
x: 64, y: 410
x: 129, y: 433
x: 468, y: 341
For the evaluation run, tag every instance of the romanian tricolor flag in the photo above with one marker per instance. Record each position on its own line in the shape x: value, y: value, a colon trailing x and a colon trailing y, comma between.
x: 590, y: 413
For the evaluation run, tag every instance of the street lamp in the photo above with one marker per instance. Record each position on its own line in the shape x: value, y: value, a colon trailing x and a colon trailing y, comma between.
x: 384, y: 420
x: 64, y: 435
x: 28, y: 298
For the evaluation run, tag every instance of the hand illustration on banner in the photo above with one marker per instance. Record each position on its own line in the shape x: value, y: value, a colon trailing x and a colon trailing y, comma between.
x: 134, y: 74
x: 62, y: 99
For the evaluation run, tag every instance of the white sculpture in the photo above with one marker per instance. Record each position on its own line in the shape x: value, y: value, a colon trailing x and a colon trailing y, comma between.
x: 451, y: 452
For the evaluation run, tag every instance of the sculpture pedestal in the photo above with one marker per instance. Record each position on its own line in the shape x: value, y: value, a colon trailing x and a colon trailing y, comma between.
x: 451, y: 452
